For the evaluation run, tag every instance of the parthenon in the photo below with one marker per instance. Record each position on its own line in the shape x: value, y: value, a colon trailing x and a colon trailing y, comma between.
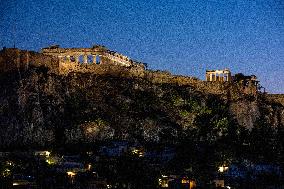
x: 95, y: 55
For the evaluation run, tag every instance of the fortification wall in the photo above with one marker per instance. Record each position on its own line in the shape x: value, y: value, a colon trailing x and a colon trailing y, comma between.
x: 14, y: 59
x: 278, y: 98
x: 218, y: 88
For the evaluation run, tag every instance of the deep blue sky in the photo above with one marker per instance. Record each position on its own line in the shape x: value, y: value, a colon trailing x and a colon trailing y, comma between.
x: 182, y: 36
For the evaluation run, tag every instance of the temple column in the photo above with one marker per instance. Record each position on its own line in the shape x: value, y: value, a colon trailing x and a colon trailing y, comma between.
x: 77, y: 59
x: 94, y: 59
x: 60, y: 58
x: 210, y: 75
x: 68, y: 58
x: 85, y: 59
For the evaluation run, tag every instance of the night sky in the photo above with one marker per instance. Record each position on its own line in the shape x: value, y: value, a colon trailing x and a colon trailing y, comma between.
x: 182, y: 36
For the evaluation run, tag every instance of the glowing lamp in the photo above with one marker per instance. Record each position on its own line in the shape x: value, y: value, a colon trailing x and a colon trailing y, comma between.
x: 70, y: 173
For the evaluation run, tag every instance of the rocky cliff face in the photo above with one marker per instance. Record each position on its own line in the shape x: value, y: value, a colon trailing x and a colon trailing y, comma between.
x: 39, y: 107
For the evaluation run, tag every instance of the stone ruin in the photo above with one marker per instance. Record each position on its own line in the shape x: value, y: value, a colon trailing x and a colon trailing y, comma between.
x: 248, y: 84
x: 95, y: 55
x: 97, y: 59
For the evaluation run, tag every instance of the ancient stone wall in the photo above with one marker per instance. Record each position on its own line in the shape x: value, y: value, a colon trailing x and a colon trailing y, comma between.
x: 218, y: 88
x: 278, y: 98
x: 13, y: 59
x: 65, y: 60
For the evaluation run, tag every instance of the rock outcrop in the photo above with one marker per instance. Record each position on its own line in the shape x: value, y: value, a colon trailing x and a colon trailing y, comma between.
x: 41, y: 107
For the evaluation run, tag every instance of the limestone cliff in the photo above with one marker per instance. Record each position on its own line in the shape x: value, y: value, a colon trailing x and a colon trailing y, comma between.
x: 40, y: 107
